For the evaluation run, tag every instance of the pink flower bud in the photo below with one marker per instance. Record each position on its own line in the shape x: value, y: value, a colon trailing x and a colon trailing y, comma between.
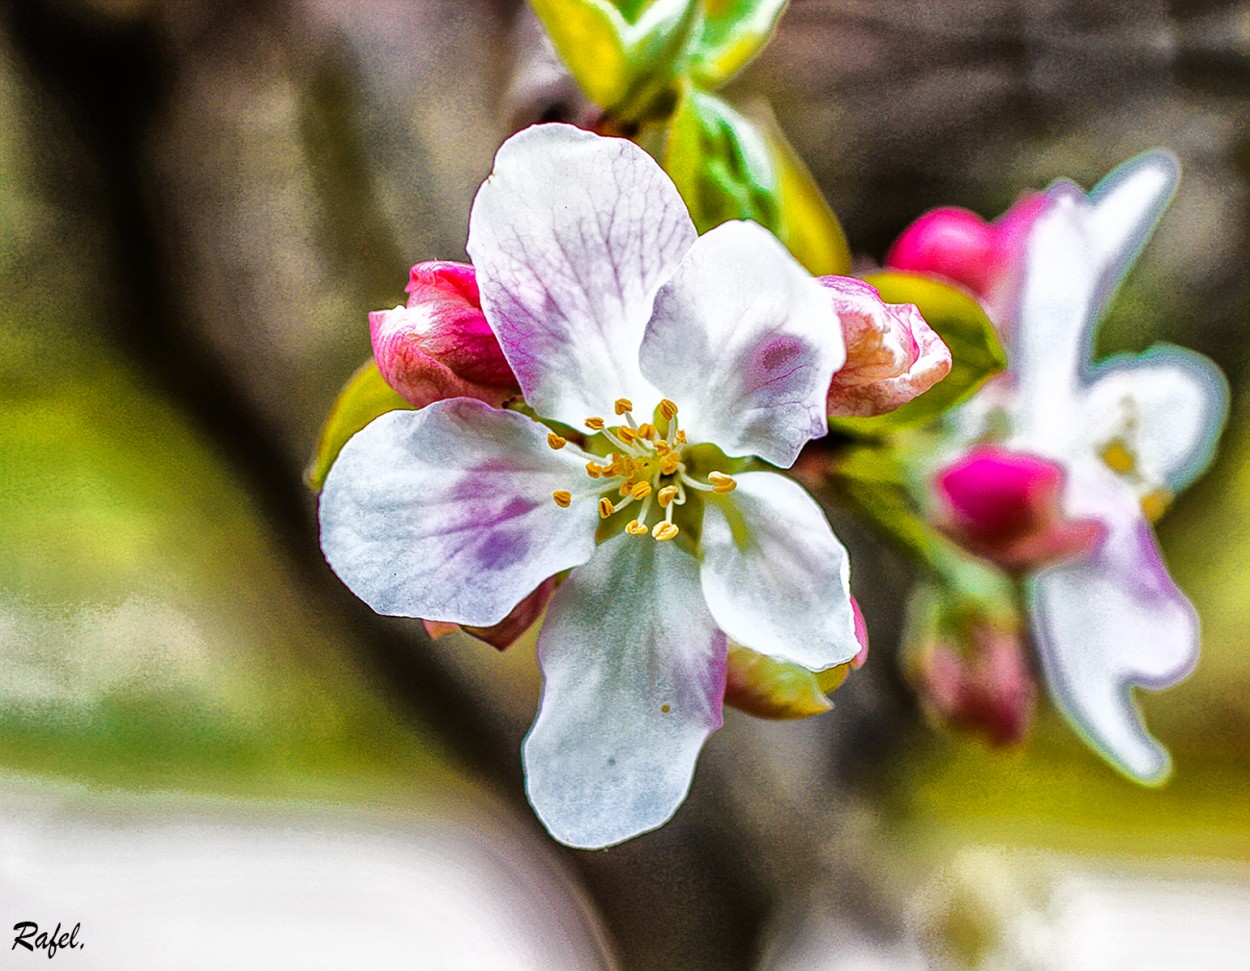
x: 440, y: 346
x: 965, y: 249
x: 986, y: 688
x: 506, y: 633
x: 892, y: 355
x: 1006, y: 506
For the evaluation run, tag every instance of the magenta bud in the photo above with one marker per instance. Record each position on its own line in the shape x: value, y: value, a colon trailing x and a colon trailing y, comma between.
x: 987, y: 688
x: 962, y: 247
x: 1007, y: 507
x: 440, y: 345
x: 892, y: 355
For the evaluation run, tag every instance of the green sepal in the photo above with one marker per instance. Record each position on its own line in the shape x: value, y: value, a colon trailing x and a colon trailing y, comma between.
x: 734, y: 31
x: 720, y: 163
x: 976, y: 353
x: 768, y: 688
x: 365, y: 396
x: 627, y: 56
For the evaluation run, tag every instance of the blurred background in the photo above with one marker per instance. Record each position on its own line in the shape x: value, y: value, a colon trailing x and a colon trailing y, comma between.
x: 206, y: 740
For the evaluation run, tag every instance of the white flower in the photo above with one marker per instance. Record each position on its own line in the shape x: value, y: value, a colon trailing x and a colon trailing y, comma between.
x: 608, y: 307
x: 1129, y: 432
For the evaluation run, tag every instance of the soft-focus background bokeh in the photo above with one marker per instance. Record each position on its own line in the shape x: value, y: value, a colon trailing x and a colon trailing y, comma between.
x: 199, y: 202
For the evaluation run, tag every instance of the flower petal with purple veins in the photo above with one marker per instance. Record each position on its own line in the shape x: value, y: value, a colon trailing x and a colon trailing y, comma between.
x: 447, y: 513
x: 745, y: 342
x: 571, y: 235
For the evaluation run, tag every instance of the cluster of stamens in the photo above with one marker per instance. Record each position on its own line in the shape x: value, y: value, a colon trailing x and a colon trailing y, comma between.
x: 645, y: 466
x: 1119, y: 455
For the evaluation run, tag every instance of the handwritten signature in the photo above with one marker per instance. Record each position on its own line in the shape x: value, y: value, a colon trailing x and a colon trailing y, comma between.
x: 44, y: 941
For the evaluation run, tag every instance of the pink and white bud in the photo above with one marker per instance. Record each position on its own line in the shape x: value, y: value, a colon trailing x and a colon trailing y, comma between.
x: 440, y: 345
x: 984, y: 686
x: 509, y: 630
x: 1007, y: 507
x: 892, y: 355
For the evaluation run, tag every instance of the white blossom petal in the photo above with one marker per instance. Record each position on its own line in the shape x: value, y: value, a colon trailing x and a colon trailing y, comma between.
x: 446, y: 513
x: 1168, y: 405
x: 745, y: 342
x: 1078, y: 251
x: 571, y: 236
x: 634, y: 675
x: 775, y: 577
x: 1112, y: 622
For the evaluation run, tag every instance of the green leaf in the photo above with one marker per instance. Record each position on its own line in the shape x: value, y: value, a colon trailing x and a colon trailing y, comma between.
x: 626, y: 56
x: 720, y: 163
x: 808, y: 226
x: 976, y: 353
x: 365, y: 396
x: 733, y: 32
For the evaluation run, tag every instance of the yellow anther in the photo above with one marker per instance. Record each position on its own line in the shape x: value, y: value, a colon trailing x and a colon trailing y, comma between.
x: 666, y: 495
x: 640, y: 490
x: 636, y: 528
x: 627, y: 435
x: 594, y: 469
x: 621, y: 465
x: 562, y: 497
x: 1118, y: 457
x: 556, y: 441
x: 668, y: 464
x: 680, y: 437
x: 661, y: 447
x: 1155, y: 503
x: 721, y: 483
x: 646, y: 430
x: 606, y: 508
x: 595, y: 424
x: 626, y: 487
x: 664, y: 531
x: 668, y: 409
x: 624, y: 406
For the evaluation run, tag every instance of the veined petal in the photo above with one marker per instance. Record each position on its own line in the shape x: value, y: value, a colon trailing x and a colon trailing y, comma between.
x: 775, y: 577
x: 1111, y: 622
x: 1168, y: 407
x: 744, y: 340
x: 571, y: 235
x: 633, y: 677
x: 447, y: 513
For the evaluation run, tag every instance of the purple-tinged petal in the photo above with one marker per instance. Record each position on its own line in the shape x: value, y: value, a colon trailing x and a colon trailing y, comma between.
x: 892, y: 355
x: 1166, y: 407
x: 633, y: 677
x: 745, y: 342
x: 1110, y: 623
x: 572, y: 234
x: 447, y: 513
x: 509, y: 630
x: 775, y: 577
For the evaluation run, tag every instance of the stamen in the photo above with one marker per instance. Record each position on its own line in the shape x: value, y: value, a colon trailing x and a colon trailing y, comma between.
x: 624, y: 406
x: 721, y: 483
x: 646, y: 430
x: 556, y: 441
x: 669, y: 463
x: 595, y: 424
x: 626, y: 488
x: 1155, y: 503
x: 636, y: 528
x: 640, y: 490
x: 594, y: 469
x: 666, y: 495
x: 665, y: 531
x: 606, y: 508
x: 1118, y: 458
x: 562, y: 497
x: 627, y: 435
x: 668, y: 409
x: 680, y: 437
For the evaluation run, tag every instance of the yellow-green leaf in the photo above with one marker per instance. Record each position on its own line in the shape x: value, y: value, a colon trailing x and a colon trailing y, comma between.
x: 733, y: 32
x: 365, y: 396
